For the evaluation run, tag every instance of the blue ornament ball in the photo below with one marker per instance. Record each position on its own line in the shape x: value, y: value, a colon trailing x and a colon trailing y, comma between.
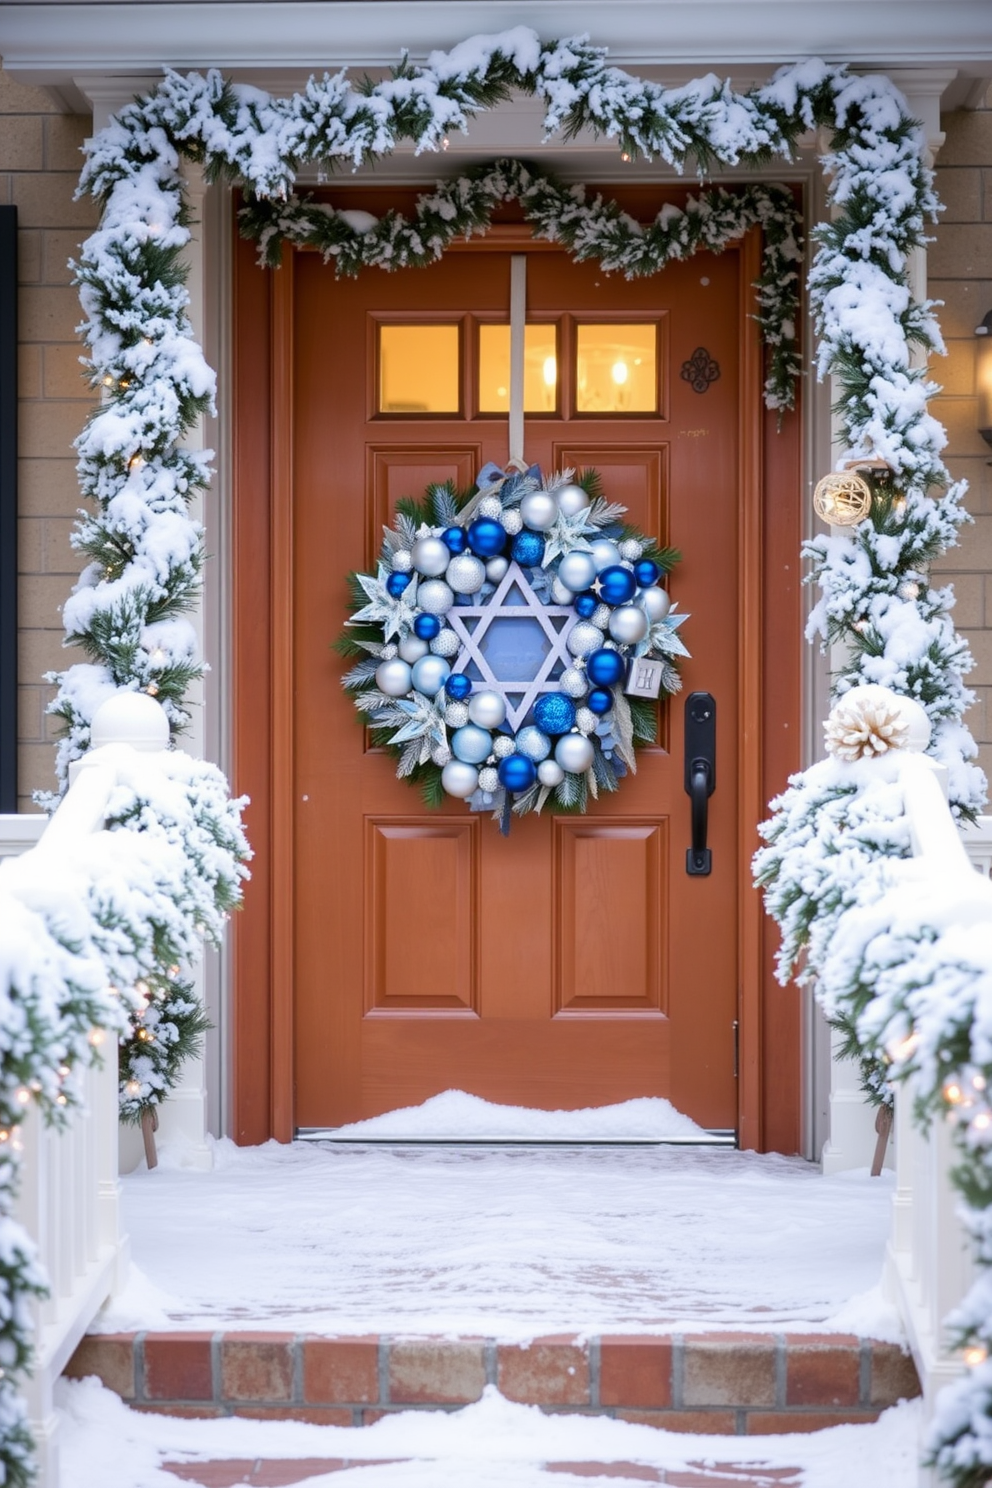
x: 528, y: 549
x: 586, y: 605
x: 454, y: 539
x: 427, y: 627
x: 554, y: 713
x: 616, y: 585
x: 396, y: 583
x: 599, y: 700
x: 605, y: 667
x: 517, y: 772
x: 486, y: 537
x: 458, y: 687
x: 646, y: 573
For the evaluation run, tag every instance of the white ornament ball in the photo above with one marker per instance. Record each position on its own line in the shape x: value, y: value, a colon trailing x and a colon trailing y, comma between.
x: 459, y: 779
x: 489, y: 779
x: 456, y: 715
x: 655, y: 602
x: 512, y: 521
x: 487, y: 709
x: 393, y: 677
x: 584, y: 638
x: 533, y: 743
x: 466, y: 574
x: 600, y: 617
x: 401, y: 561
x: 539, y: 510
x: 490, y: 506
x: 412, y: 648
x: 503, y: 745
x: 440, y: 754
x: 471, y: 744
x: 550, y: 773
x: 445, y: 643
x: 496, y: 569
x: 574, y: 753
x: 571, y: 500
x: 604, y: 553
x: 573, y: 683
x: 430, y: 556
x: 435, y: 596
x: 577, y: 570
x: 631, y: 550
x: 586, y: 720
x: 628, y: 624
x: 430, y: 674
x: 560, y: 593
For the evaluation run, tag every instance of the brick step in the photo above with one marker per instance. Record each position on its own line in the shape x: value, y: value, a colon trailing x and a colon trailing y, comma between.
x: 742, y: 1384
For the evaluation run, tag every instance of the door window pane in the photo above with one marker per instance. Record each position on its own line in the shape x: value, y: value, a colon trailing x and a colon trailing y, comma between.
x: 540, y: 369
x: 418, y: 369
x: 616, y: 369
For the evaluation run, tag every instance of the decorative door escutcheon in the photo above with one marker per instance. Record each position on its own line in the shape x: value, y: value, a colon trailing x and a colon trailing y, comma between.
x: 700, y: 370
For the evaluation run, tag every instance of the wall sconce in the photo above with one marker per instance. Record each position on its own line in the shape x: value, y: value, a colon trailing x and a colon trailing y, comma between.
x: 983, y: 377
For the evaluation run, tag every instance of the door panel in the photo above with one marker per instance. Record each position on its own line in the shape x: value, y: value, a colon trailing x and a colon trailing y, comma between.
x: 573, y: 963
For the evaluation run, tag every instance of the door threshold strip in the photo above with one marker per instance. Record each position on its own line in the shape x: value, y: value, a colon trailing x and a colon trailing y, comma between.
x: 715, y: 1138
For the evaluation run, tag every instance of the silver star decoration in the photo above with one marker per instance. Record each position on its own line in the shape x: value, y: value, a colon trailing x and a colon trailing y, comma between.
x: 661, y: 639
x: 396, y: 616
x: 568, y: 535
x: 472, y: 622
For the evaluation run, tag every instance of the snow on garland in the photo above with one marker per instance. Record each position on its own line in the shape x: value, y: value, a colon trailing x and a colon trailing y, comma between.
x: 86, y: 935
x: 450, y: 573
x: 597, y: 230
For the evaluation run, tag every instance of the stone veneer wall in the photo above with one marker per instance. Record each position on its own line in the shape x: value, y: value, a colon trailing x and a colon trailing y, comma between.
x: 960, y: 274
x: 39, y: 166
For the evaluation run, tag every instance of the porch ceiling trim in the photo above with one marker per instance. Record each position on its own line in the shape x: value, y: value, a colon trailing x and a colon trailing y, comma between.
x: 52, y: 41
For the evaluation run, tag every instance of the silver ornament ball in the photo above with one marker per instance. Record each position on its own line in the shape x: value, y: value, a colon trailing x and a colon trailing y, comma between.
x: 628, y: 624
x: 584, y: 638
x: 466, y: 574
x: 539, y: 510
x: 571, y: 500
x: 456, y: 715
x: 577, y: 570
x: 435, y: 596
x: 573, y: 683
x: 393, y: 677
x: 388, y: 652
x: 459, y: 779
x: 560, y: 593
x: 445, y: 643
x: 502, y: 746
x: 496, y: 569
x: 440, y: 754
x: 604, y: 553
x: 631, y: 549
x: 487, y: 709
x: 401, y: 561
x: 533, y: 743
x: 488, y: 779
x: 471, y: 744
x: 600, y: 617
x: 550, y: 773
x: 512, y: 521
x: 412, y: 648
x: 574, y: 753
x: 430, y: 674
x: 490, y: 506
x: 430, y: 556
x: 586, y: 721
x: 655, y: 603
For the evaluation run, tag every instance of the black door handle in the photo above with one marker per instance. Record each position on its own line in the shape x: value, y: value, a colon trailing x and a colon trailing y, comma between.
x: 700, y: 776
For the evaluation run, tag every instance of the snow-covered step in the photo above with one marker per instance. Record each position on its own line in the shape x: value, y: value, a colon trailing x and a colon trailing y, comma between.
x: 726, y: 1383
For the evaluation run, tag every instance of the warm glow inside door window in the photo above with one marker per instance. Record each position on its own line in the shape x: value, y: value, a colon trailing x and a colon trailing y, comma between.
x: 616, y: 369
x: 418, y: 369
x: 540, y: 369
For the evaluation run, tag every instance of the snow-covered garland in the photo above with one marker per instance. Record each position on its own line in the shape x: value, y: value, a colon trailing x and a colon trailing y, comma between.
x: 566, y: 731
x: 86, y: 935
x: 597, y: 230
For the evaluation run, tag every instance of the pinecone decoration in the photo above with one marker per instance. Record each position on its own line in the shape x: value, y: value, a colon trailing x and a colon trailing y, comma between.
x: 866, y: 722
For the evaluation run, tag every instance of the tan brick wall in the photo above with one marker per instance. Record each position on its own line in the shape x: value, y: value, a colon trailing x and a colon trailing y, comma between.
x: 39, y: 168
x: 960, y: 268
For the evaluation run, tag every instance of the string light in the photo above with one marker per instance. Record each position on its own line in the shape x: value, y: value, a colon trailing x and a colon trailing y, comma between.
x: 904, y: 1048
x: 132, y: 1087
x: 4, y: 1134
x: 974, y: 1355
x: 953, y: 1094
x: 983, y: 1121
x: 910, y: 591
x: 135, y: 462
x: 96, y: 1037
x: 23, y: 1095
x: 61, y: 1100
x: 63, y: 1071
x: 152, y: 689
x: 979, y: 1082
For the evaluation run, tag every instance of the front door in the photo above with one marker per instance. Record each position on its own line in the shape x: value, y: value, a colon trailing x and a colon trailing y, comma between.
x: 574, y: 963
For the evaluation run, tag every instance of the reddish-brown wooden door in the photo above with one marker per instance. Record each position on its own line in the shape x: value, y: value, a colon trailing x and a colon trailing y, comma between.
x: 574, y: 963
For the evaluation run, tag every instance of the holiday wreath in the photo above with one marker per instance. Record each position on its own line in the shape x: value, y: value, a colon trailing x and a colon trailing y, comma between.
x: 511, y: 642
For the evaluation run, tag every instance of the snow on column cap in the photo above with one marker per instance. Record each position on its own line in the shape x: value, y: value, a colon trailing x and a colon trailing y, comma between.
x: 130, y: 718
x: 871, y: 720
